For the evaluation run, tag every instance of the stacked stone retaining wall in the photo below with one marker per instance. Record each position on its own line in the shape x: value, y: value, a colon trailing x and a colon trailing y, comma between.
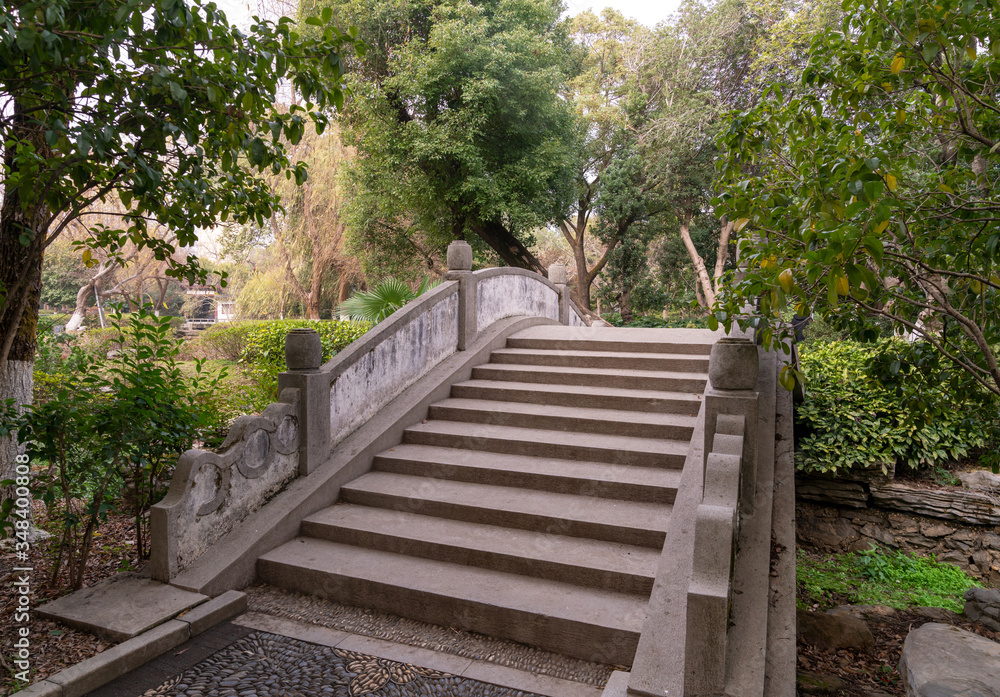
x: 956, y: 525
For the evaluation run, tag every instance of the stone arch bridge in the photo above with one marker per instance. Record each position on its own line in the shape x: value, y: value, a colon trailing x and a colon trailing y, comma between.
x: 484, y: 459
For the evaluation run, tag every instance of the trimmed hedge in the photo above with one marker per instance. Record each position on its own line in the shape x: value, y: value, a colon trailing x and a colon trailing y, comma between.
x: 851, y: 419
x: 254, y: 343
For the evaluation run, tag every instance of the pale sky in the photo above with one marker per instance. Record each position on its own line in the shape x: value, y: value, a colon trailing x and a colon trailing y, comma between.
x: 649, y: 12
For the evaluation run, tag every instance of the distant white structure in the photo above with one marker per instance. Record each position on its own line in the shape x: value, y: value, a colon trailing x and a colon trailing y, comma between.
x: 225, y: 310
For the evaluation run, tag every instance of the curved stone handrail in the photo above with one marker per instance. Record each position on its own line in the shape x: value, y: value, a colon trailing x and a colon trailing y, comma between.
x: 323, y: 404
x: 211, y: 493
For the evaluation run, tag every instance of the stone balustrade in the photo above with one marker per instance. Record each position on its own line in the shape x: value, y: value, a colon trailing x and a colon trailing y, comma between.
x: 211, y: 493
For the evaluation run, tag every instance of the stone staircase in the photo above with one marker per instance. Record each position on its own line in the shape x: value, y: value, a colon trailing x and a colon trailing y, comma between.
x: 530, y: 505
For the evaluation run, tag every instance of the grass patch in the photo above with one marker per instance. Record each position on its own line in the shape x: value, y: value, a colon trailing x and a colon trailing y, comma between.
x: 876, y: 577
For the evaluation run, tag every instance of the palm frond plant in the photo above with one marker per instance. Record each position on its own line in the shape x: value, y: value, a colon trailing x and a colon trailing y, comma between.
x: 382, y: 299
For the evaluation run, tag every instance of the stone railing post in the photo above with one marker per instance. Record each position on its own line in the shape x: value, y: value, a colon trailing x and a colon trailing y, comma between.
x: 732, y: 372
x: 460, y: 269
x: 303, y: 356
x: 557, y: 274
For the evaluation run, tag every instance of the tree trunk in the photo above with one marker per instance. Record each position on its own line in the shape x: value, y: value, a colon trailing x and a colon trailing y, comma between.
x: 16, y: 381
x: 704, y: 281
x: 510, y: 249
x: 625, y: 304
x: 723, y: 256
x: 80, y: 311
x: 21, y: 278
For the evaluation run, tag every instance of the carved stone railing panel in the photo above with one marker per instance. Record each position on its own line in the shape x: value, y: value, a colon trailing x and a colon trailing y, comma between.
x: 211, y: 493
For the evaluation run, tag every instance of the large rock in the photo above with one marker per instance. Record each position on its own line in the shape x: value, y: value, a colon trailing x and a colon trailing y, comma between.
x: 980, y: 479
x: 943, y: 661
x: 983, y: 605
x: 829, y: 632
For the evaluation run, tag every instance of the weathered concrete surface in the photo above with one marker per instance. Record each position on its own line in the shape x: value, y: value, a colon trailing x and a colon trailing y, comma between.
x: 733, y: 364
x: 211, y: 493
x: 205, y: 616
x: 779, y: 675
x: 391, y: 365
x: 617, y: 685
x: 747, y: 645
x: 658, y: 667
x: 88, y: 675
x: 501, y: 295
x: 233, y: 565
x: 121, y: 607
x: 943, y: 661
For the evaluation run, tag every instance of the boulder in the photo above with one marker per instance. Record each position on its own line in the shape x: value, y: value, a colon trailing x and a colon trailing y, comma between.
x: 980, y: 479
x: 829, y: 632
x: 983, y: 605
x: 943, y: 661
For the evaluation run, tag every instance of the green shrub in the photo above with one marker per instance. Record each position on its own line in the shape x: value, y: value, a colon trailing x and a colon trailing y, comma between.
x: 264, y: 342
x: 852, y: 419
x: 875, y: 577
x: 675, y: 321
x: 98, y: 343
x: 110, y: 432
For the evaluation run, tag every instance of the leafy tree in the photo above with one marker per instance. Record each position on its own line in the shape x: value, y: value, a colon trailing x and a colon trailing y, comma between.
x: 877, y: 188
x: 458, y: 124
x: 161, y: 102
x: 603, y: 93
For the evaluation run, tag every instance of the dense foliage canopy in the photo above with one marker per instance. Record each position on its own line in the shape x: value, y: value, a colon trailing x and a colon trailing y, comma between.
x: 871, y: 190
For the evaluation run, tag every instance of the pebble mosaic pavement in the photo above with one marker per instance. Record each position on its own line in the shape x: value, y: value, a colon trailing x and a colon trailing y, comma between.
x: 295, y: 606
x: 261, y: 664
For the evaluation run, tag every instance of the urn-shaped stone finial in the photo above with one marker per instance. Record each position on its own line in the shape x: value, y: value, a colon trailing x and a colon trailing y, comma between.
x: 733, y: 364
x: 459, y: 256
x: 557, y: 274
x: 303, y: 349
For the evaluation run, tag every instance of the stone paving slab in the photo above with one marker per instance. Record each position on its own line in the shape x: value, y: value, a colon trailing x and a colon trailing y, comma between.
x: 121, y: 607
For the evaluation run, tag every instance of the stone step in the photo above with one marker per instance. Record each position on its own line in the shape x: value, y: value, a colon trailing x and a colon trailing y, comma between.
x: 510, y: 440
x: 583, y: 478
x: 592, y: 563
x: 612, y: 520
x: 616, y: 339
x: 631, y: 360
x: 560, y: 418
x: 657, y: 401
x: 693, y: 383
x: 588, y: 623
